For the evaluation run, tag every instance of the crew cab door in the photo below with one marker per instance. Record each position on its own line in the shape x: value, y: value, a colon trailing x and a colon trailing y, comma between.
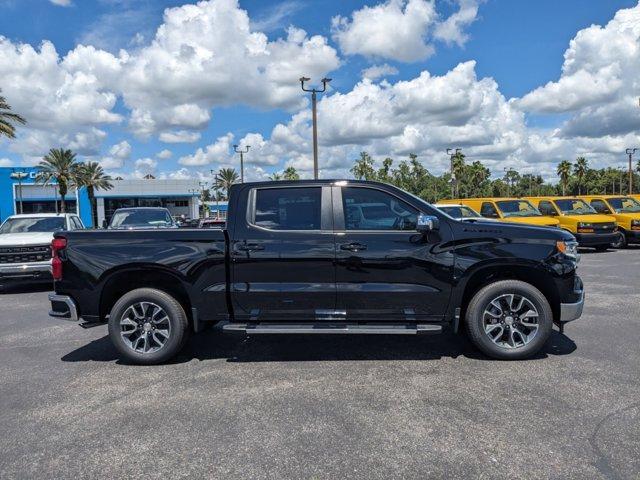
x: 283, y: 254
x: 385, y: 269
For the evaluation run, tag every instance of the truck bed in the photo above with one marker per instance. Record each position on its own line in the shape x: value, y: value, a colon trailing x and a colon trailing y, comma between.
x: 190, y: 259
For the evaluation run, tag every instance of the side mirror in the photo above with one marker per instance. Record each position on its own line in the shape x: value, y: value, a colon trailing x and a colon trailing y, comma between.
x: 427, y: 223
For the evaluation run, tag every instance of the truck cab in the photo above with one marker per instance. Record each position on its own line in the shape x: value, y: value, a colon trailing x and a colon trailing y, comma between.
x: 322, y: 256
x: 591, y: 229
x: 626, y: 211
x: 513, y: 210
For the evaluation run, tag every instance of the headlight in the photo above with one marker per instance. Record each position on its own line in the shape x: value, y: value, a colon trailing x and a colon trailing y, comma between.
x: 569, y: 249
x: 585, y: 227
x: 635, y: 224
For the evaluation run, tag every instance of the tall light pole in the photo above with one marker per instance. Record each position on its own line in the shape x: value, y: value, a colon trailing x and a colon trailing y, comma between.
x: 19, y: 174
x: 241, y: 152
x: 314, y: 92
x: 203, y: 187
x: 630, y: 152
x: 451, y: 156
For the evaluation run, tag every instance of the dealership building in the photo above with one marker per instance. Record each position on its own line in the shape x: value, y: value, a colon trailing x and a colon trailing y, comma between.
x: 19, y: 192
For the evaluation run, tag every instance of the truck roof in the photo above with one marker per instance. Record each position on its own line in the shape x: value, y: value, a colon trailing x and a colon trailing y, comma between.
x: 323, y: 181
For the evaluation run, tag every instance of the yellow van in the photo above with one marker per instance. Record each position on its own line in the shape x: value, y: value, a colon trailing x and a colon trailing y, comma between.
x: 590, y: 228
x: 626, y: 211
x: 516, y: 210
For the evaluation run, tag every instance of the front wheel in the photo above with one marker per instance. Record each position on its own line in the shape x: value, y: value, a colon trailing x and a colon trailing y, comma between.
x: 509, y: 320
x: 148, y: 326
x: 621, y: 241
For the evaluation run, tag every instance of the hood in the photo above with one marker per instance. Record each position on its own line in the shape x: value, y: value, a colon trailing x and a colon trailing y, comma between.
x: 520, y: 230
x: 27, y: 238
x: 592, y: 218
x: 628, y: 216
x: 539, y: 221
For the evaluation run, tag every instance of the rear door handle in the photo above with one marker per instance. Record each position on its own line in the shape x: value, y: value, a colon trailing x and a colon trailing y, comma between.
x: 250, y: 247
x: 353, y: 247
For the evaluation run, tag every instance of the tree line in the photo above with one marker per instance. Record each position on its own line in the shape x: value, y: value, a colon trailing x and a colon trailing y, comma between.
x: 473, y: 179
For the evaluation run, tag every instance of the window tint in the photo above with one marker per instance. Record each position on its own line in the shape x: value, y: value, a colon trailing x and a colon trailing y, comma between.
x: 289, y: 208
x: 459, y: 212
x: 518, y: 208
x: 624, y: 205
x: 33, y: 224
x: 488, y: 210
x: 370, y: 209
x: 574, y: 206
x: 599, y: 206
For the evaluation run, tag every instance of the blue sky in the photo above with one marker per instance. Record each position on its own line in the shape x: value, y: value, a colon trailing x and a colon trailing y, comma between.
x: 519, y: 44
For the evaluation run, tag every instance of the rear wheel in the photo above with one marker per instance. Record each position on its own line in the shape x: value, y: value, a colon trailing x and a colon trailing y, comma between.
x: 509, y: 319
x: 148, y: 326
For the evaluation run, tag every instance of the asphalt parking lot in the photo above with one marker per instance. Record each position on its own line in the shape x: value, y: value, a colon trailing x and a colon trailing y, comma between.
x: 330, y: 407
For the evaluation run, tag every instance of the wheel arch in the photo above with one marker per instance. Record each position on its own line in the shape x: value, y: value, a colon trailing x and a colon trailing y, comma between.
x: 119, y: 282
x: 530, y: 274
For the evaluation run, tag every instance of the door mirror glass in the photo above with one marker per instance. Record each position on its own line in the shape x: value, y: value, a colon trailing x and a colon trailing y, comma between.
x: 427, y: 223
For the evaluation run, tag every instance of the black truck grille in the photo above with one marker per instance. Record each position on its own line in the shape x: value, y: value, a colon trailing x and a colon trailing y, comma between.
x: 38, y: 253
x: 604, y: 227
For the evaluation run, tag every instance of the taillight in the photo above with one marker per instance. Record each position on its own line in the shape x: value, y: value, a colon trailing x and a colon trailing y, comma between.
x: 57, y: 245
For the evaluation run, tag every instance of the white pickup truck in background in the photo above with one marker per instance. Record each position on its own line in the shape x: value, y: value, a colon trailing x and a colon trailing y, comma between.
x: 25, y: 246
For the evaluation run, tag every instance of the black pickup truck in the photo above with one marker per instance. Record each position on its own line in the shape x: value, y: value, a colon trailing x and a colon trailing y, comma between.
x: 326, y: 256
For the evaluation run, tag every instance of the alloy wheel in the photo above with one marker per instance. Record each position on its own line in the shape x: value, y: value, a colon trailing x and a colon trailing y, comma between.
x: 145, y: 327
x: 510, y: 320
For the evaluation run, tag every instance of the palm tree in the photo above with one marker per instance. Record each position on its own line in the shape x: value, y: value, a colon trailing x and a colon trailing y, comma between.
x: 59, y: 165
x: 225, y: 178
x: 92, y: 176
x: 580, y: 170
x: 457, y: 167
x: 564, y: 172
x: 290, y: 173
x: 275, y: 176
x: 7, y: 119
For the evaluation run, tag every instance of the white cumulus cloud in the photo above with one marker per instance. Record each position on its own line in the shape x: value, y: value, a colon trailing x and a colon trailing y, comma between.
x: 396, y: 29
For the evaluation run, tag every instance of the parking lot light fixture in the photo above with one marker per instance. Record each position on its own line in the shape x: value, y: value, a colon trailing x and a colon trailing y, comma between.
x: 241, y: 152
x: 314, y: 92
x: 630, y: 152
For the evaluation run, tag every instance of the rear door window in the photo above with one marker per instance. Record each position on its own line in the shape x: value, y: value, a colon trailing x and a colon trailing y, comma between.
x: 288, y: 208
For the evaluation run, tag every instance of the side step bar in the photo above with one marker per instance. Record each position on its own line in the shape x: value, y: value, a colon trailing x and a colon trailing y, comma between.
x: 337, y: 328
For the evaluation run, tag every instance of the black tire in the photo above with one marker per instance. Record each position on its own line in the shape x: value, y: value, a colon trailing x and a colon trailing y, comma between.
x: 475, y: 322
x: 621, y: 242
x: 177, y: 319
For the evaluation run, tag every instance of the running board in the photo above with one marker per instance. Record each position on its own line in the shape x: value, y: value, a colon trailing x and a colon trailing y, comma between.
x: 337, y: 328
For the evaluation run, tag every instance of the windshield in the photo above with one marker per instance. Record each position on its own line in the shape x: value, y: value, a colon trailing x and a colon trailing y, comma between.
x: 141, y: 218
x: 624, y: 205
x: 33, y: 224
x: 518, y: 208
x: 574, y: 207
x: 460, y: 212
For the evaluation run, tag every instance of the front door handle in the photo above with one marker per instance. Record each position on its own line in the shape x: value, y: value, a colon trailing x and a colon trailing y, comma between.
x: 353, y: 247
x: 250, y: 247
